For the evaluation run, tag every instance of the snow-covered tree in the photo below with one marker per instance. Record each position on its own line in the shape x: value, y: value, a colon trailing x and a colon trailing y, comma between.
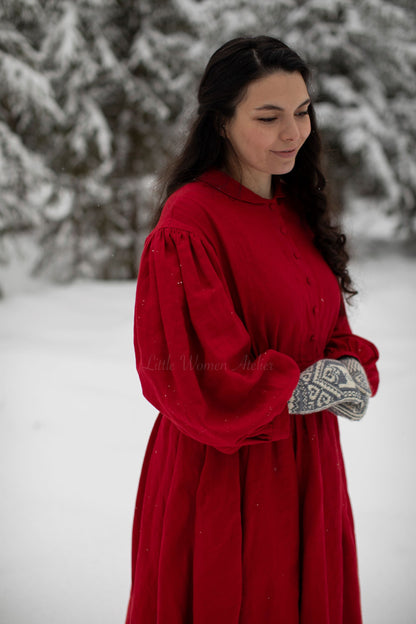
x: 28, y: 113
x: 82, y: 235
x: 65, y: 110
x: 95, y: 96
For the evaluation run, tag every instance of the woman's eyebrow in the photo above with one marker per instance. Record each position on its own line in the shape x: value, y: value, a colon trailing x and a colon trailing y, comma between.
x: 279, y: 108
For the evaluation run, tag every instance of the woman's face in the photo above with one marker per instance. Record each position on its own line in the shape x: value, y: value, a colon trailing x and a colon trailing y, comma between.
x: 269, y: 127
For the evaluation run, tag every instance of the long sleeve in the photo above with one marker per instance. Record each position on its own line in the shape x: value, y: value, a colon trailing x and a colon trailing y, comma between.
x: 343, y: 342
x: 193, y: 353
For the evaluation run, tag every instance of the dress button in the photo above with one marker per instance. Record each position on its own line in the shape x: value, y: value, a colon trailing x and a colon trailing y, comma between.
x: 315, y: 309
x: 322, y: 300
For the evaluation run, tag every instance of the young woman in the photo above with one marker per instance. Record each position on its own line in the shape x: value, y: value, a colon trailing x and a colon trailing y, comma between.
x: 243, y: 345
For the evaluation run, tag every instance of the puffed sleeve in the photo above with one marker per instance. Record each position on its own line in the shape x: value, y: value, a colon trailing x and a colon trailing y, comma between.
x: 344, y: 342
x: 193, y: 352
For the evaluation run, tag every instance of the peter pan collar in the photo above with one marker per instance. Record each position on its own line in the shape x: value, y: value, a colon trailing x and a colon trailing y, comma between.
x: 226, y: 184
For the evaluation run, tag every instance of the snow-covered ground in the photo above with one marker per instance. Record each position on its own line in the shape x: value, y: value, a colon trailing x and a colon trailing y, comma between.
x: 74, y: 429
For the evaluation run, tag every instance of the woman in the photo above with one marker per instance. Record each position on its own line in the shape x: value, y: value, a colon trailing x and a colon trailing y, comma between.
x: 243, y: 343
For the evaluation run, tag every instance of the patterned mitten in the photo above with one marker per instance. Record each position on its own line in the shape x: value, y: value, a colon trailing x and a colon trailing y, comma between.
x: 324, y: 384
x: 350, y: 410
x: 357, y: 372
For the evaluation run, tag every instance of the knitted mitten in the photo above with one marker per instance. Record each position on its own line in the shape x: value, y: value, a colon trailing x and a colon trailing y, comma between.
x: 351, y: 410
x: 325, y: 384
x: 357, y: 372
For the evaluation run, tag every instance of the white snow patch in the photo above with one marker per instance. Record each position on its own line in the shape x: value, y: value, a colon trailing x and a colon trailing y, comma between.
x: 74, y: 429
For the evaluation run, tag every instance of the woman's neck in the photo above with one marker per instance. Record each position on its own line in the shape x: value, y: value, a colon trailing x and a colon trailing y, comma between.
x: 257, y: 182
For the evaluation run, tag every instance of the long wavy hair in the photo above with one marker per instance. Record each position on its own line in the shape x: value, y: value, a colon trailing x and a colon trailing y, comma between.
x: 224, y: 83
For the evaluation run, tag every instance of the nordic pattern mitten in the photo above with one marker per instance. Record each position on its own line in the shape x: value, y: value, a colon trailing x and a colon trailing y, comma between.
x: 350, y: 410
x: 356, y: 370
x: 353, y: 411
x: 325, y: 383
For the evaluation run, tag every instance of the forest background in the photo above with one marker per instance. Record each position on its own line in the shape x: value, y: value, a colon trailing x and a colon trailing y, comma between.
x: 95, y: 97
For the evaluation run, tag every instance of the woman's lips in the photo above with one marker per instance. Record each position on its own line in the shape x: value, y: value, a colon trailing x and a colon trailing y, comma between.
x: 285, y: 153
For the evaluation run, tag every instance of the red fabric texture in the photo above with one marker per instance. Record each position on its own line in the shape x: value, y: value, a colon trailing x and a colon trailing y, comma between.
x: 242, y: 512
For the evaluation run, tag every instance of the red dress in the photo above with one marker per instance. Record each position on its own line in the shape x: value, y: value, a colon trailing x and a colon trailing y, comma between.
x: 242, y: 514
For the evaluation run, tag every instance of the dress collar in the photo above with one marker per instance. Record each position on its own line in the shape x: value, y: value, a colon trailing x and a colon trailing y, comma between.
x: 226, y: 184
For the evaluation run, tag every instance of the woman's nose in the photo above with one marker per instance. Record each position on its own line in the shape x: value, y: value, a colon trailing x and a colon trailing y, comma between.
x: 290, y: 131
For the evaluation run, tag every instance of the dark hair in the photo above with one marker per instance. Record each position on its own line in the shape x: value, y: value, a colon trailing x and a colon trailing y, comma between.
x: 230, y: 70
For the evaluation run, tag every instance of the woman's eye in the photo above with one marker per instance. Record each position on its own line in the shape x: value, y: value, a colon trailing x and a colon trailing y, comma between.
x: 271, y: 119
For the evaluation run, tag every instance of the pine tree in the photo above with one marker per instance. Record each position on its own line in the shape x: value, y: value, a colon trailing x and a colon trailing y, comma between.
x: 70, y: 132
x: 84, y: 73
x: 95, y: 97
x: 28, y: 114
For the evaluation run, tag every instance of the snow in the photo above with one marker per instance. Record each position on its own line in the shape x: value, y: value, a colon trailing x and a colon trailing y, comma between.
x: 74, y: 428
x: 64, y: 41
x: 28, y: 86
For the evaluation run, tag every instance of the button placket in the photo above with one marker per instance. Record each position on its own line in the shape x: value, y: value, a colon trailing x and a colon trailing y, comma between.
x: 282, y: 225
x: 284, y: 231
x: 313, y: 336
